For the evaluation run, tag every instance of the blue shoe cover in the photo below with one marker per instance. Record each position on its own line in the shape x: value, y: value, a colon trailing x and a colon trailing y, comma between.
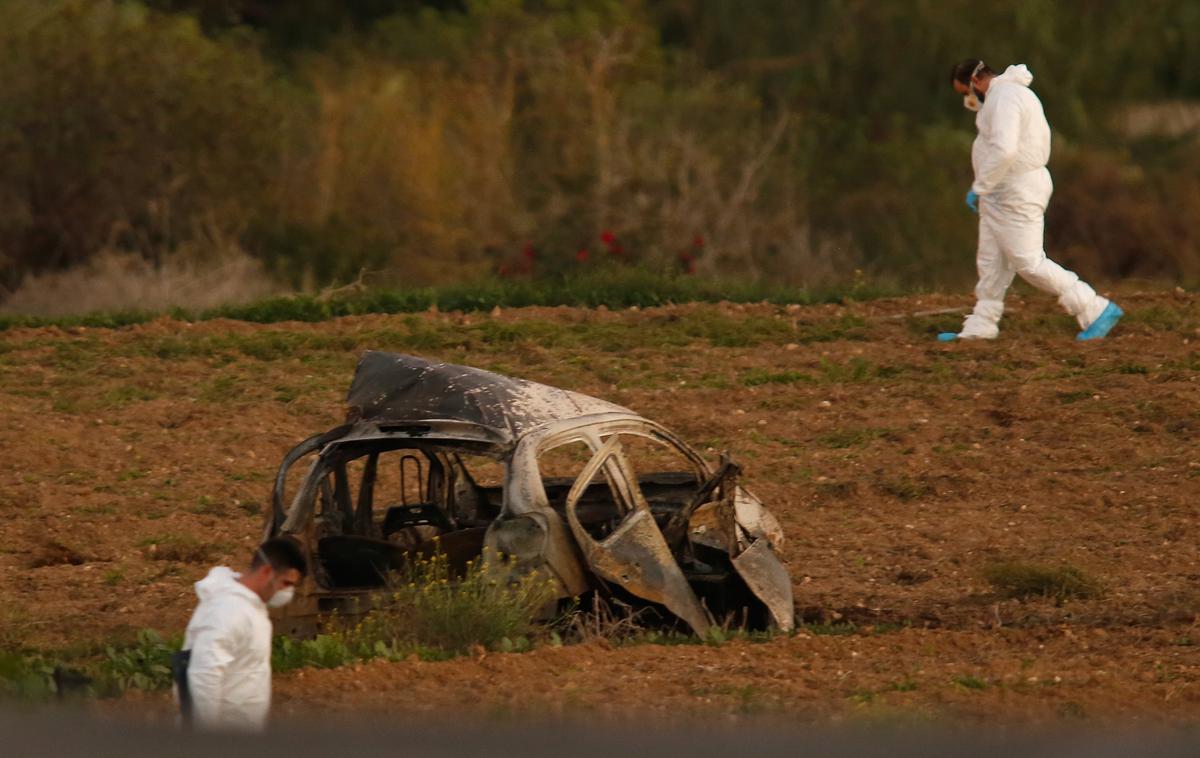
x: 1103, y: 323
x: 947, y: 336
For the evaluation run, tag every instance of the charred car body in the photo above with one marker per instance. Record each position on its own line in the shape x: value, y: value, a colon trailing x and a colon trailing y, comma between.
x: 468, y: 462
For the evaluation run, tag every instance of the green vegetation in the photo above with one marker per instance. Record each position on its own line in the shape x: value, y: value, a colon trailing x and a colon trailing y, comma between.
x: 426, y: 141
x: 835, y: 629
x: 428, y: 606
x: 612, y: 289
x: 970, y: 682
x: 1074, y: 396
x: 905, y: 488
x: 844, y: 438
x: 758, y: 377
x: 179, y: 547
x: 25, y: 677
x: 1019, y: 579
x: 144, y: 665
x: 431, y: 612
x: 325, y: 651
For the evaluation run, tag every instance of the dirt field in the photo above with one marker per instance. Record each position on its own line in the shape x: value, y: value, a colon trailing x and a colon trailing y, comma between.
x: 899, y: 467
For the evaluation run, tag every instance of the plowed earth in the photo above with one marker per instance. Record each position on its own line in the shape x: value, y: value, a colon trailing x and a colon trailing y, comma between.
x: 899, y: 467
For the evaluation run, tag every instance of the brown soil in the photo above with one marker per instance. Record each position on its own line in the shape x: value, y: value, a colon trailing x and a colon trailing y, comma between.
x: 899, y: 467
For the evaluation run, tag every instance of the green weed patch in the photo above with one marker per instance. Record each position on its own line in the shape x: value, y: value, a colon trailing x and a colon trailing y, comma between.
x: 1018, y: 579
x: 616, y: 289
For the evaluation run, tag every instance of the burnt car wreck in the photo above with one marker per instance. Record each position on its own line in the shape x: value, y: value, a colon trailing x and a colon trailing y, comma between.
x: 441, y: 457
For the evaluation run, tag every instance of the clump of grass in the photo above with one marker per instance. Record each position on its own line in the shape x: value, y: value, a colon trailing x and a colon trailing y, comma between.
x: 853, y: 371
x: 183, y: 548
x: 429, y: 606
x: 835, y: 629
x: 207, y: 506
x: 15, y: 624
x: 1066, y: 398
x: 906, y: 488
x: 970, y: 682
x: 758, y: 377
x: 904, y: 685
x: 1159, y: 318
x: 1018, y: 579
x: 1132, y: 368
x: 847, y: 327
x: 843, y: 438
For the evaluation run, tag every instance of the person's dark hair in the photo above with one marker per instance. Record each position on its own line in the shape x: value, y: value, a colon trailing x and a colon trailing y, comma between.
x: 283, y: 553
x: 963, y: 70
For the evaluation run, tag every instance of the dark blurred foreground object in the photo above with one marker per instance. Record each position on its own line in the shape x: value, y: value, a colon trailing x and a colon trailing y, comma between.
x: 70, y: 733
x: 69, y: 683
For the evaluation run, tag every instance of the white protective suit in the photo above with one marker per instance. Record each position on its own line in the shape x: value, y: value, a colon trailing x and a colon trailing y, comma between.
x: 229, y: 674
x: 1009, y: 157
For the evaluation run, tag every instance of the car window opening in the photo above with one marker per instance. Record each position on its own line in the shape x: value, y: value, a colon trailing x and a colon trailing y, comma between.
x: 407, y: 504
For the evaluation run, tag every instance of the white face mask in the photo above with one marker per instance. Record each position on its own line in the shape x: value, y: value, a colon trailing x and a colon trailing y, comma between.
x: 282, y: 597
x: 972, y: 101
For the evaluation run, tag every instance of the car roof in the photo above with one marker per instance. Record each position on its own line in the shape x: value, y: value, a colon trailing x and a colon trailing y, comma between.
x: 392, y: 388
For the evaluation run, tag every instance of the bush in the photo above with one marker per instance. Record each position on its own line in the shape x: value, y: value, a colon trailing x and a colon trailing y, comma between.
x: 24, y: 677
x: 1116, y: 214
x: 146, y: 665
x: 1017, y: 579
x: 128, y: 128
x: 429, y: 607
x: 178, y: 547
x: 325, y: 651
x: 428, y: 142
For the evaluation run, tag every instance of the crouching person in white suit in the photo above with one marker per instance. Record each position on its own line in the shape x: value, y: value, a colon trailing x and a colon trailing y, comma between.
x: 223, y: 672
x: 1011, y: 190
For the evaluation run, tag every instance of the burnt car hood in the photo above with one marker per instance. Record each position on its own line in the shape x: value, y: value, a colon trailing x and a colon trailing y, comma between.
x: 389, y: 387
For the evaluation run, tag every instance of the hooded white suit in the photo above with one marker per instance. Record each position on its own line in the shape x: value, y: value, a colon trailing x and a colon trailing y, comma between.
x: 229, y: 674
x: 1009, y: 157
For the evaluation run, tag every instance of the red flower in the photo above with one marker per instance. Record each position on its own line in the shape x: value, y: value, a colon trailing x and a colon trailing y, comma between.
x: 582, y: 255
x: 527, y: 252
x: 698, y: 241
x: 607, y: 237
x: 616, y: 250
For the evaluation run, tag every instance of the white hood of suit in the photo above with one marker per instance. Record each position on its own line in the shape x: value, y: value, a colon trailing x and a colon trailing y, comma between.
x: 1018, y: 74
x: 219, y: 581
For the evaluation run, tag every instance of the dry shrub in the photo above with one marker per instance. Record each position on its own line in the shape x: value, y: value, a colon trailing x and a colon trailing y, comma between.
x: 114, y: 281
x: 546, y: 131
x: 182, y: 548
x: 603, y: 621
x: 1110, y: 217
x: 1018, y: 579
x: 16, y: 625
x: 408, y: 170
x: 430, y: 605
x: 51, y: 552
x: 122, y: 127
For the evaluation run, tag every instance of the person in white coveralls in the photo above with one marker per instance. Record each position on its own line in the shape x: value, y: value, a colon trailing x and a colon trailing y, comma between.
x: 223, y: 673
x: 1011, y: 189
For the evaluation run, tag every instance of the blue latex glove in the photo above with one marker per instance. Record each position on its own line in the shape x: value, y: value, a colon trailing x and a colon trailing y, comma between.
x: 973, y: 201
